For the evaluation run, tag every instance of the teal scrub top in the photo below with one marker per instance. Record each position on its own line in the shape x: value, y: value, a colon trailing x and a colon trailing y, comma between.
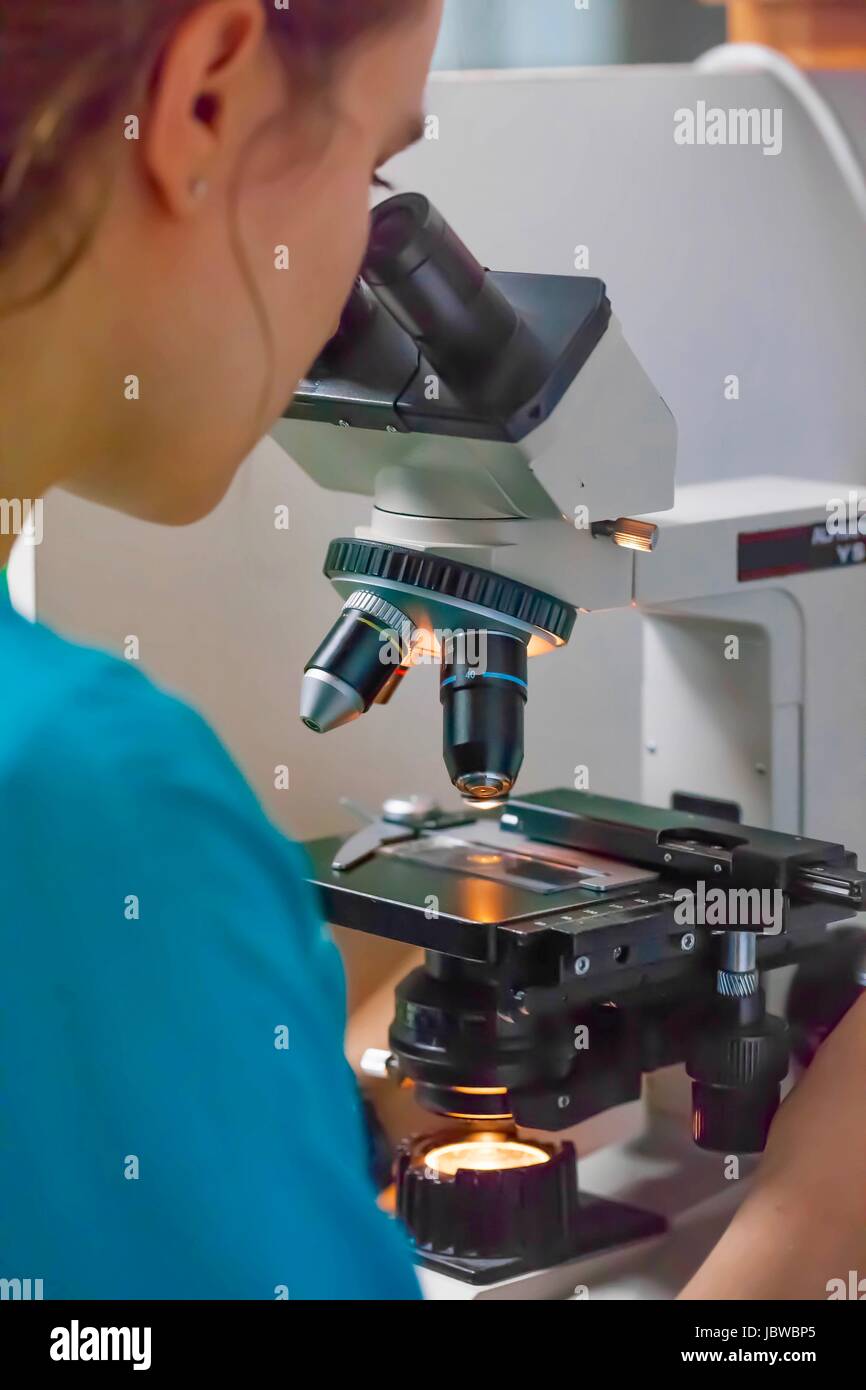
x: 177, y: 1119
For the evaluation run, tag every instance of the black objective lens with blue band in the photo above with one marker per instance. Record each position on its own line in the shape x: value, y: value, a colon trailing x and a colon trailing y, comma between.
x: 483, y: 691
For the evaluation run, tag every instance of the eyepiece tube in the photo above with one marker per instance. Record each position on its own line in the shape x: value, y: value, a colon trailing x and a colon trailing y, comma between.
x: 436, y: 290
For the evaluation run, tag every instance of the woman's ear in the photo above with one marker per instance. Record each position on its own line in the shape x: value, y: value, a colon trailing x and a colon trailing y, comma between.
x: 203, y: 102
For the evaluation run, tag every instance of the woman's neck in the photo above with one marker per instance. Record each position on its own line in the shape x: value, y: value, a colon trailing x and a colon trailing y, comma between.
x: 49, y: 405
x: 28, y: 466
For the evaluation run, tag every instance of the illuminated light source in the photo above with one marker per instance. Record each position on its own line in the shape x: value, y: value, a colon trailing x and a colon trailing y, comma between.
x: 488, y: 1195
x: 483, y: 1153
x: 479, y: 1090
x: 464, y: 1115
x: 539, y: 645
x: 492, y: 802
x: 468, y: 1198
x: 484, y: 1109
x: 628, y: 533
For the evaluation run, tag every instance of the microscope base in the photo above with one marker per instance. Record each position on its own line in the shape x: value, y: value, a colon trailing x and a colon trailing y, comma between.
x: 692, y: 1199
x: 606, y: 1226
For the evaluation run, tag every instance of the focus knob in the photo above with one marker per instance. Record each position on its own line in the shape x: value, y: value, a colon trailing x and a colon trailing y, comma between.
x: 737, y: 1070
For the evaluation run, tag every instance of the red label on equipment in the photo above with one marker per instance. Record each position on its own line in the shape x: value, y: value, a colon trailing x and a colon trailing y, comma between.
x: 796, y: 550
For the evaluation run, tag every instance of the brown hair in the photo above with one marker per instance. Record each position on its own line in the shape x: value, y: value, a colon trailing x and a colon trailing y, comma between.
x: 68, y: 67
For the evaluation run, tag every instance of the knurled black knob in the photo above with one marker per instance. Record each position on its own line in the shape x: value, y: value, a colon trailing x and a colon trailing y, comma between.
x: 737, y: 1072
x: 489, y: 1195
x: 751, y: 1055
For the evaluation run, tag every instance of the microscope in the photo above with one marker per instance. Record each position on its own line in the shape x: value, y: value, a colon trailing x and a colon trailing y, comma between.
x: 521, y: 466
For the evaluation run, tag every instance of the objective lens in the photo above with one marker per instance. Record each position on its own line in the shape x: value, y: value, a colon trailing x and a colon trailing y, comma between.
x: 359, y: 659
x: 483, y: 692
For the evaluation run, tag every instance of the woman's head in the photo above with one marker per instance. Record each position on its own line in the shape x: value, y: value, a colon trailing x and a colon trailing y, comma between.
x: 184, y: 196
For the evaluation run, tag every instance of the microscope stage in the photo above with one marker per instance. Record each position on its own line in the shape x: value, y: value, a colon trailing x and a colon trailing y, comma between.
x: 397, y: 895
x: 589, y: 888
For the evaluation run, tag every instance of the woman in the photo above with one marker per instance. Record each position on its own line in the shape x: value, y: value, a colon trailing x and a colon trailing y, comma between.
x: 177, y: 1117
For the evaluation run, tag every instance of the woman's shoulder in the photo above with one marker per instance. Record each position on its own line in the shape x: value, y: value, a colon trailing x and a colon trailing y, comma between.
x: 48, y: 679
x: 89, y: 744
x: 73, y: 707
x: 106, y: 781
